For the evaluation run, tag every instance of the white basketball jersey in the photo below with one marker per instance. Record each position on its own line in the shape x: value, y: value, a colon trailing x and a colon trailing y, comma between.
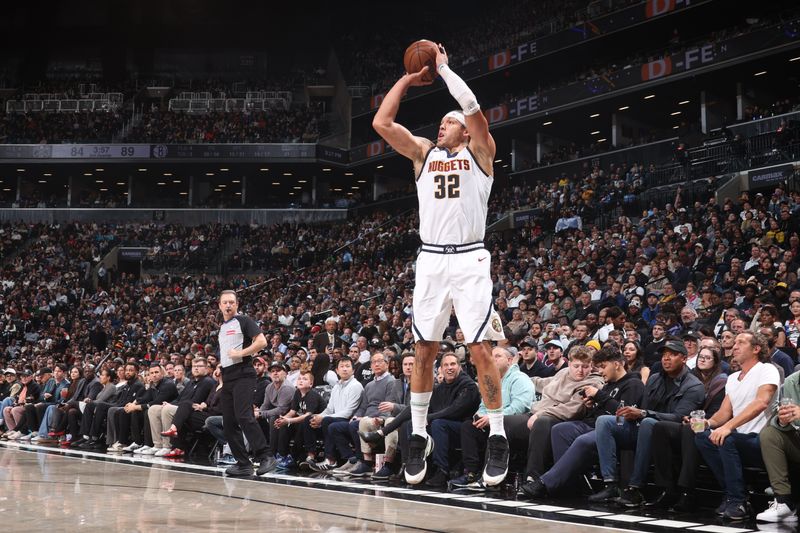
x: 453, y: 195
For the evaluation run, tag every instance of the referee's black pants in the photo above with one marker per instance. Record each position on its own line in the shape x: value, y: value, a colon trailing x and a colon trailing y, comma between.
x: 236, y: 400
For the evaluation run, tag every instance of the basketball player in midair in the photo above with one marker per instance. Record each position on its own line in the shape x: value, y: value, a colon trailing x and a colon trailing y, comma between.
x: 454, y: 179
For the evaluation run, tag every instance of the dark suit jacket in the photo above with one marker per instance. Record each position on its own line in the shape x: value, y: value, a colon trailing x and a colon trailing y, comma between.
x: 321, y: 341
x: 400, y: 395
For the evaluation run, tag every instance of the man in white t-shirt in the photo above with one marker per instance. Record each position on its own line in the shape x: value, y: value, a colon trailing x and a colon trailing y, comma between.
x: 732, y: 438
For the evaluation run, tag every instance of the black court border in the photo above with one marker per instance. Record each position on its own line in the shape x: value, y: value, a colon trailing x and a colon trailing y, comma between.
x: 308, y: 482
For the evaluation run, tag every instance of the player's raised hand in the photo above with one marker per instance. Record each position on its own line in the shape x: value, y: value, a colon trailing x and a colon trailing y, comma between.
x: 418, y: 78
x: 441, y: 56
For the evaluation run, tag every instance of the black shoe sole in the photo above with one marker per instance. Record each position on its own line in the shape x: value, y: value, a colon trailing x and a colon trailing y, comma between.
x: 239, y: 474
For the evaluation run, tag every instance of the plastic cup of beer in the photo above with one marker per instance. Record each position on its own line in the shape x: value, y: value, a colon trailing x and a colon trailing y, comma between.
x: 697, y: 421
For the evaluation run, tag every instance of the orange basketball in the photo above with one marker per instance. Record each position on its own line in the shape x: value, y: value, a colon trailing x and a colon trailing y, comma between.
x: 420, y: 54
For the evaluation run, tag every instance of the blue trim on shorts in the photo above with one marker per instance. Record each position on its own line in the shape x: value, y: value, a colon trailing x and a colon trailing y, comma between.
x: 485, y: 321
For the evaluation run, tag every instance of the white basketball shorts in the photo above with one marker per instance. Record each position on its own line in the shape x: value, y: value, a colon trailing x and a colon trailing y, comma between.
x: 446, y: 279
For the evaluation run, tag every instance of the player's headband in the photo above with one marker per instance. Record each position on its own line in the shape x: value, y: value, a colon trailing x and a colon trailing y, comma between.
x: 457, y: 115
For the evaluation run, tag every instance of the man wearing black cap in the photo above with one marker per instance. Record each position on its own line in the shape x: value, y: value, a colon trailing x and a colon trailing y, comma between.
x: 239, y: 339
x: 530, y: 364
x: 277, y: 402
x: 670, y: 394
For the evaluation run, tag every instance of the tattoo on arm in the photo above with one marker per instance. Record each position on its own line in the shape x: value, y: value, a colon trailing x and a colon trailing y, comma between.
x: 491, y: 389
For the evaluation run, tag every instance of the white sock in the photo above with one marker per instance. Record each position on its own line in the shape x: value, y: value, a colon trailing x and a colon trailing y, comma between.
x: 419, y: 412
x: 496, y: 422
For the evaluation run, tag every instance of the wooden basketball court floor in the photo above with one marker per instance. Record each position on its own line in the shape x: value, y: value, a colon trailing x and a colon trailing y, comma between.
x: 47, y: 489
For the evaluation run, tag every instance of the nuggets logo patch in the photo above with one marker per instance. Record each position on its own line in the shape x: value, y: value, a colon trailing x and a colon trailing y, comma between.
x: 496, y: 325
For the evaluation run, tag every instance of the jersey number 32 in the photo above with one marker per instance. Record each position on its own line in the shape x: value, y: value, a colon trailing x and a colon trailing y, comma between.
x: 446, y: 186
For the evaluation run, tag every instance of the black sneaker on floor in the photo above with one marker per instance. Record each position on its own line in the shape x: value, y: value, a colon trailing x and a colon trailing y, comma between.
x: 720, y: 510
x: 239, y: 470
x: 363, y: 469
x: 267, y: 464
x: 383, y: 474
x: 87, y: 444
x: 438, y: 480
x: 665, y: 500
x: 631, y: 497
x: 610, y: 492
x: 736, y: 511
x: 419, y: 448
x: 534, y: 489
x: 97, y: 445
x: 686, y: 503
x: 464, y: 481
x: 496, y: 461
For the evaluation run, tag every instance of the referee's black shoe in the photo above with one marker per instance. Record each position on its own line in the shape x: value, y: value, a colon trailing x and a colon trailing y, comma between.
x: 239, y: 470
x: 267, y: 464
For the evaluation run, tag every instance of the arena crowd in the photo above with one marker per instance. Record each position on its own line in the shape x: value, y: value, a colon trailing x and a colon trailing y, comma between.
x: 659, y: 313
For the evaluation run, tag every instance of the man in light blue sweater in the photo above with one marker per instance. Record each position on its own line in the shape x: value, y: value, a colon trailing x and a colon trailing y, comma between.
x: 345, y: 399
x: 518, y: 395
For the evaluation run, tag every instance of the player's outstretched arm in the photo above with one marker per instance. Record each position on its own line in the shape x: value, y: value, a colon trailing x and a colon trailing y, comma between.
x: 481, y: 141
x: 414, y: 148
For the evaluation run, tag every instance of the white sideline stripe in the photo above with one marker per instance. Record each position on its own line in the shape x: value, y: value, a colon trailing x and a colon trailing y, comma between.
x: 673, y: 523
x: 627, y: 518
x: 585, y: 513
x: 548, y: 508
x: 722, y: 529
x: 479, y: 499
x: 511, y: 503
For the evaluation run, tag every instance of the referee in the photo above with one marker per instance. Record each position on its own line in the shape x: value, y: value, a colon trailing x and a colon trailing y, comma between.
x: 240, y: 338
